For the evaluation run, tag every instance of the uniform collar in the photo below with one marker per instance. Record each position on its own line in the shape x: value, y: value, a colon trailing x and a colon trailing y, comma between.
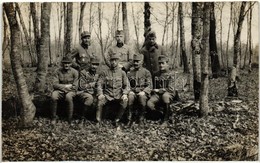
x: 84, y: 46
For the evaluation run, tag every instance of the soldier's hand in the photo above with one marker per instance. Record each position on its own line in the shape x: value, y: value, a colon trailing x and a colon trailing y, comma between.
x: 120, y: 65
x: 141, y: 93
x: 124, y: 98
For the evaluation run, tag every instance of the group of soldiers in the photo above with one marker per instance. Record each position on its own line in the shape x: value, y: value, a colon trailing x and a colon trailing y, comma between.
x: 135, y: 81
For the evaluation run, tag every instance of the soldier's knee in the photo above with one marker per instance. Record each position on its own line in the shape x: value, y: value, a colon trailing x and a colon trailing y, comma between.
x: 166, y: 97
x: 131, y: 98
x: 55, y: 96
x: 69, y: 97
x: 89, y: 101
x: 142, y: 99
x: 150, y: 104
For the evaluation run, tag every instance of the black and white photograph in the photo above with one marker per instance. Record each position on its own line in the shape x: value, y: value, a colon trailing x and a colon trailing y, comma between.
x: 130, y: 81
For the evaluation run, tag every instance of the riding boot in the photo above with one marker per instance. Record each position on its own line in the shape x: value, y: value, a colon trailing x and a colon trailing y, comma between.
x: 141, y: 116
x: 166, y: 113
x: 130, y: 114
x: 54, y: 110
x: 120, y: 114
x: 99, y: 113
x: 70, y: 110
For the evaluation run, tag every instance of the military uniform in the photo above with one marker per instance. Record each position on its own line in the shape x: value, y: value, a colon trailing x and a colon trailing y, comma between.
x: 82, y: 54
x: 125, y: 52
x: 163, y: 89
x: 151, y: 54
x: 140, y: 81
x: 87, y: 87
x: 62, y: 81
x: 113, y: 84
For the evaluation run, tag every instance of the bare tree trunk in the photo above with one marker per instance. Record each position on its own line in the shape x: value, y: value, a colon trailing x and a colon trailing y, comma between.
x: 232, y: 87
x: 196, y: 32
x: 43, y: 58
x: 165, y: 23
x: 204, y: 106
x: 65, y: 27
x: 221, y: 33
x: 136, y: 28
x: 147, y: 21
x: 100, y: 30
x: 28, y: 109
x: 229, y: 26
x: 250, y: 38
x: 172, y: 45
x: 215, y: 65
x: 90, y: 17
x: 118, y: 13
x: 27, y: 38
x: 125, y: 22
x: 36, y: 28
x: 82, y: 9
x: 6, y: 38
x: 68, y: 38
x: 182, y: 41
x: 177, y: 60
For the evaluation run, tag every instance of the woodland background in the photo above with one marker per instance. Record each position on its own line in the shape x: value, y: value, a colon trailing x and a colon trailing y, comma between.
x: 214, y: 44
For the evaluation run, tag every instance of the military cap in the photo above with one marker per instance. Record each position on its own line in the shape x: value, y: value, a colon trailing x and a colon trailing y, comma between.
x: 94, y: 60
x: 162, y: 58
x: 84, y: 34
x: 114, y: 56
x: 119, y: 33
x: 151, y: 34
x: 138, y: 57
x: 66, y: 59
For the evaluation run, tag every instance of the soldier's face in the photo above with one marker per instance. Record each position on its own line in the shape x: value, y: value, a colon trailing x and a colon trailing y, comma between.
x: 137, y: 64
x: 151, y: 40
x: 94, y: 66
x: 114, y: 62
x: 86, y: 40
x: 120, y: 39
x: 163, y: 65
x: 66, y: 66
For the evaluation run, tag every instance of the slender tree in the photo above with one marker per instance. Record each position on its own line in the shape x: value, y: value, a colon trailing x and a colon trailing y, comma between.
x: 215, y: 65
x: 125, y: 23
x: 229, y: 26
x: 28, y: 109
x: 36, y: 27
x: 6, y: 38
x: 43, y: 57
x: 232, y: 86
x: 196, y: 32
x: 166, y: 22
x: 250, y: 37
x: 147, y: 21
x: 82, y: 9
x: 68, y: 24
x: 183, y: 53
x: 204, y: 106
x: 136, y: 25
x: 90, y: 17
x: 27, y: 38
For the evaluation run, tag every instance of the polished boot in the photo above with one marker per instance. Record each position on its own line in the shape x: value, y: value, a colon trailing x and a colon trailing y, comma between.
x: 54, y: 111
x: 99, y: 114
x: 166, y: 113
x: 130, y: 115
x: 141, y: 116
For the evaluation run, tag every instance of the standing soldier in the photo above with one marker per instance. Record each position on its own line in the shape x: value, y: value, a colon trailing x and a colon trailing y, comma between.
x: 141, y: 85
x: 88, y: 85
x: 112, y: 86
x: 65, y: 86
x: 151, y: 51
x: 82, y: 54
x: 163, y: 91
x: 125, y: 52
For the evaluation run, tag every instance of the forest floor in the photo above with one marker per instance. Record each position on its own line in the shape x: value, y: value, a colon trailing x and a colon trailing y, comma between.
x: 229, y: 132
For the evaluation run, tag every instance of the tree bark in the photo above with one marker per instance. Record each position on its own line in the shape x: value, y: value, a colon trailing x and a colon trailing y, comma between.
x: 229, y: 26
x: 172, y: 44
x: 82, y: 9
x: 165, y: 23
x: 215, y: 65
x: 43, y: 58
x: 27, y: 38
x: 136, y: 25
x: 6, y: 38
x: 90, y: 17
x: 147, y: 21
x: 232, y: 86
x: 196, y: 31
x: 100, y: 31
x: 125, y: 23
x: 182, y: 41
x: 68, y: 34
x: 28, y: 109
x: 36, y: 28
x: 221, y: 33
x: 250, y: 38
x: 204, y: 106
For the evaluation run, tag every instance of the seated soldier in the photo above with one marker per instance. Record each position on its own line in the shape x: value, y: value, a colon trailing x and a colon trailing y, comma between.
x: 65, y: 86
x: 113, y: 85
x: 141, y: 85
x: 87, y: 85
x: 163, y: 88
